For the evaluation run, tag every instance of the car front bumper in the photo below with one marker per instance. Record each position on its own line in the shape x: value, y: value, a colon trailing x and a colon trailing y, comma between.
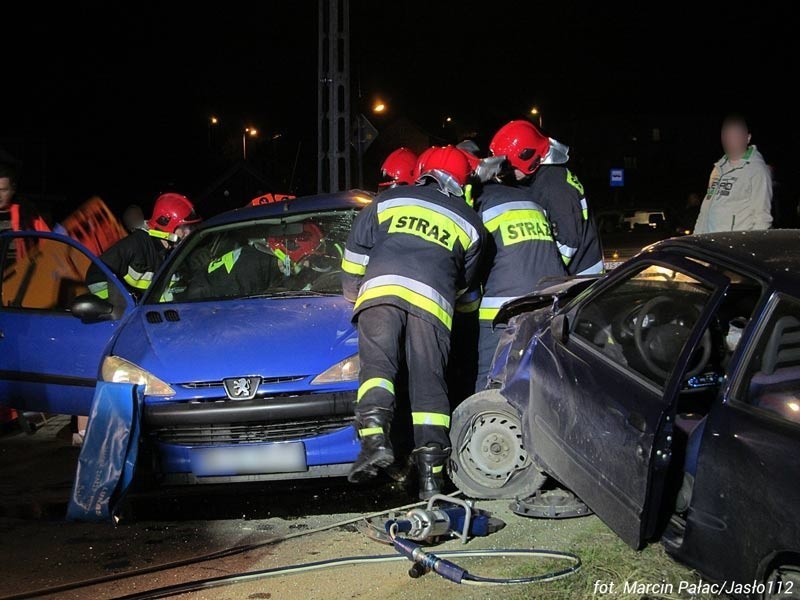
x: 282, y: 437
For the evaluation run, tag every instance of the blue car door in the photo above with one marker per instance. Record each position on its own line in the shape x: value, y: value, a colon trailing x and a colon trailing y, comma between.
x: 49, y: 358
x: 602, y: 392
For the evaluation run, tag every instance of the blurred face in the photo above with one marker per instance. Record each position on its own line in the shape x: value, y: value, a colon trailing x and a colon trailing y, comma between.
x: 735, y: 139
x: 6, y: 193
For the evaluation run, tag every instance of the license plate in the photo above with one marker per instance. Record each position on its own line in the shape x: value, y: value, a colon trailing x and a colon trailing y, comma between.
x: 288, y: 457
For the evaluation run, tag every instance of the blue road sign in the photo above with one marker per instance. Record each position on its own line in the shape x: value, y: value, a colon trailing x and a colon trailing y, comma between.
x: 617, y: 177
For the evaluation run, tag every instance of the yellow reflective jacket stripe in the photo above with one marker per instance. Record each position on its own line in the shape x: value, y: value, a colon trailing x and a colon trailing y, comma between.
x: 99, y: 289
x: 414, y: 292
x: 490, y: 306
x: 227, y: 260
x: 438, y: 218
x: 354, y: 263
x: 140, y: 281
x: 521, y: 225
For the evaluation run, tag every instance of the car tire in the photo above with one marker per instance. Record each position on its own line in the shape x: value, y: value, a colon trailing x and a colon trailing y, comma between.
x: 488, y: 459
x: 783, y: 583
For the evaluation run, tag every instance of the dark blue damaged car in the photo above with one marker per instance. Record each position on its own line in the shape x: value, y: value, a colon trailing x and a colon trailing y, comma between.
x: 666, y: 395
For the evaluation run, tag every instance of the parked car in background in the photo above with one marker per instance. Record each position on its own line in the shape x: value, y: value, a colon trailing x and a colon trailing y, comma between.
x: 243, y: 342
x: 624, y: 232
x: 666, y: 395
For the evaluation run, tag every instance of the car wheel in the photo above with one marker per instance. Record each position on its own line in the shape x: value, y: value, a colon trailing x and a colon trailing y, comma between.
x: 783, y: 583
x: 488, y: 459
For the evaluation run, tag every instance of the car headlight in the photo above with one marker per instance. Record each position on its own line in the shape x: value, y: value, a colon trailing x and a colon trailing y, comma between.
x: 345, y: 370
x: 119, y: 370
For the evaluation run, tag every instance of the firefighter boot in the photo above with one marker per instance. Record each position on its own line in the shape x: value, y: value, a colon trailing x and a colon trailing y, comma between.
x: 376, y: 448
x: 430, y: 461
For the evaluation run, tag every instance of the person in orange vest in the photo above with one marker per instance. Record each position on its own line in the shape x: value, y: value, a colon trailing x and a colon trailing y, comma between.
x: 15, y: 216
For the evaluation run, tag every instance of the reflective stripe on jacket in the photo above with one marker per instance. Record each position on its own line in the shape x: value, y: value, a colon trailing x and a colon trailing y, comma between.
x: 523, y: 251
x: 416, y: 248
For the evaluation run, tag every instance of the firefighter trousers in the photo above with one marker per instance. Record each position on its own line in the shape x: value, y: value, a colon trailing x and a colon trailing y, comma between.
x: 386, y: 335
x: 488, y: 339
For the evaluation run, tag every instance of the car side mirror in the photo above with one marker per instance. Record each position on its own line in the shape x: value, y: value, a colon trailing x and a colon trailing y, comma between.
x: 91, y: 309
x: 559, y: 327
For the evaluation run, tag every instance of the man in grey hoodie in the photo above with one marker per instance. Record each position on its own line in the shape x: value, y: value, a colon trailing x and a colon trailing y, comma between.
x: 739, y: 196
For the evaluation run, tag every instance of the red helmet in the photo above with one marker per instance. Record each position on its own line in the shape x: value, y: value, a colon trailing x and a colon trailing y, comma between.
x: 297, y: 246
x: 171, y: 211
x: 473, y: 160
x: 422, y: 160
x: 399, y: 168
x: 448, y: 159
x: 525, y: 147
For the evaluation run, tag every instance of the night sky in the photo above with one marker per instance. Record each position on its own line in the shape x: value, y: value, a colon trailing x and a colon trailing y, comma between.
x: 114, y: 98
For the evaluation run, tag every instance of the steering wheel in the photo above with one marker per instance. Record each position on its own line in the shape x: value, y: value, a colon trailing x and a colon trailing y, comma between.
x: 664, y: 341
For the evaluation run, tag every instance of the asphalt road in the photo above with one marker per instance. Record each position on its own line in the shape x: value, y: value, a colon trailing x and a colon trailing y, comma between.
x: 40, y: 549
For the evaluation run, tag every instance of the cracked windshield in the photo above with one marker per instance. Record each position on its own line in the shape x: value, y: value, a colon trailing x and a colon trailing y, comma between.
x: 300, y: 255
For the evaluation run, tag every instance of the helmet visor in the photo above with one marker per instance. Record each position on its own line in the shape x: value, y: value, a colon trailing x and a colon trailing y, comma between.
x: 558, y: 153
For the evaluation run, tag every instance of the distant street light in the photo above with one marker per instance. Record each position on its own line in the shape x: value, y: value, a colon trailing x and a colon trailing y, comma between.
x: 379, y: 107
x: 536, y: 113
x: 212, y: 120
x: 248, y: 131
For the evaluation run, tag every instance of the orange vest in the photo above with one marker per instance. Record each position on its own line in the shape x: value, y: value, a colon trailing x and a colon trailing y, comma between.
x: 38, y: 224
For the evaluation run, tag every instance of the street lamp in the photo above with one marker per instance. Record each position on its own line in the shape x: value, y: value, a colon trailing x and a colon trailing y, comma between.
x: 252, y: 132
x: 536, y: 113
x: 212, y: 121
x: 379, y: 107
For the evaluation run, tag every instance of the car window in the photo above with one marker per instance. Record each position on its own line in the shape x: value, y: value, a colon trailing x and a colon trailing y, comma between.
x: 772, y: 378
x: 42, y: 274
x: 643, y: 322
x: 294, y: 255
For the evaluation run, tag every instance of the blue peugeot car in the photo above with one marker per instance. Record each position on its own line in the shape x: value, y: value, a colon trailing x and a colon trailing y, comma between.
x: 243, y: 342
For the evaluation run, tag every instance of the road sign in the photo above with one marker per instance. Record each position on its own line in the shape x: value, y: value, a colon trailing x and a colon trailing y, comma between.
x: 617, y: 177
x: 364, y: 133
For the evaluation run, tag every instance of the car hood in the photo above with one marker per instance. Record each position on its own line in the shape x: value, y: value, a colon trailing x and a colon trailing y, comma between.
x: 209, y: 341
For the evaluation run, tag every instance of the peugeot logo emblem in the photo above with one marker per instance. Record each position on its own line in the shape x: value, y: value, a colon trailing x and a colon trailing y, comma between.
x: 241, y: 388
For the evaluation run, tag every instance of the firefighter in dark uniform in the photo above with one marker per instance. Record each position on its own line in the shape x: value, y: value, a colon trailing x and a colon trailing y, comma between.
x: 135, y: 258
x: 399, y: 168
x: 536, y: 160
x: 522, y: 253
x: 409, y: 256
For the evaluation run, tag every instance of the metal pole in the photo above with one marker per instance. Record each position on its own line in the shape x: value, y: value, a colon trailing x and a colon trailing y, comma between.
x: 244, y: 145
x: 360, y: 142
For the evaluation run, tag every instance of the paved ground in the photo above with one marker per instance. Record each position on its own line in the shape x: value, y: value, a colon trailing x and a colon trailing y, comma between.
x: 42, y: 550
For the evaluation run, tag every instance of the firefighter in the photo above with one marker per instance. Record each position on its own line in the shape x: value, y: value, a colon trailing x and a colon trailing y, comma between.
x: 398, y: 168
x: 536, y: 160
x: 522, y: 251
x: 135, y: 258
x: 409, y: 256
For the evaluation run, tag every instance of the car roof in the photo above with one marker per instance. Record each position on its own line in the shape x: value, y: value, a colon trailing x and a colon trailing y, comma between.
x: 772, y: 254
x: 356, y: 199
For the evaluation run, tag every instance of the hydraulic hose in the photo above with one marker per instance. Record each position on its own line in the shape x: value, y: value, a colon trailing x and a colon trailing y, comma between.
x: 447, y: 569
x: 224, y: 553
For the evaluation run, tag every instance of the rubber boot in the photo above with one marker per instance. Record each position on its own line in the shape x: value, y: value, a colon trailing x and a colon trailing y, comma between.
x: 430, y: 461
x: 376, y: 449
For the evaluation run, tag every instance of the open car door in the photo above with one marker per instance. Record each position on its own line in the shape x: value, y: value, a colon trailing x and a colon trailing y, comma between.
x: 604, y: 379
x: 50, y: 355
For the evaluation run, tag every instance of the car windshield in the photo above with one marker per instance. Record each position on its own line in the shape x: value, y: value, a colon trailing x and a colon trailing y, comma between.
x: 297, y: 255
